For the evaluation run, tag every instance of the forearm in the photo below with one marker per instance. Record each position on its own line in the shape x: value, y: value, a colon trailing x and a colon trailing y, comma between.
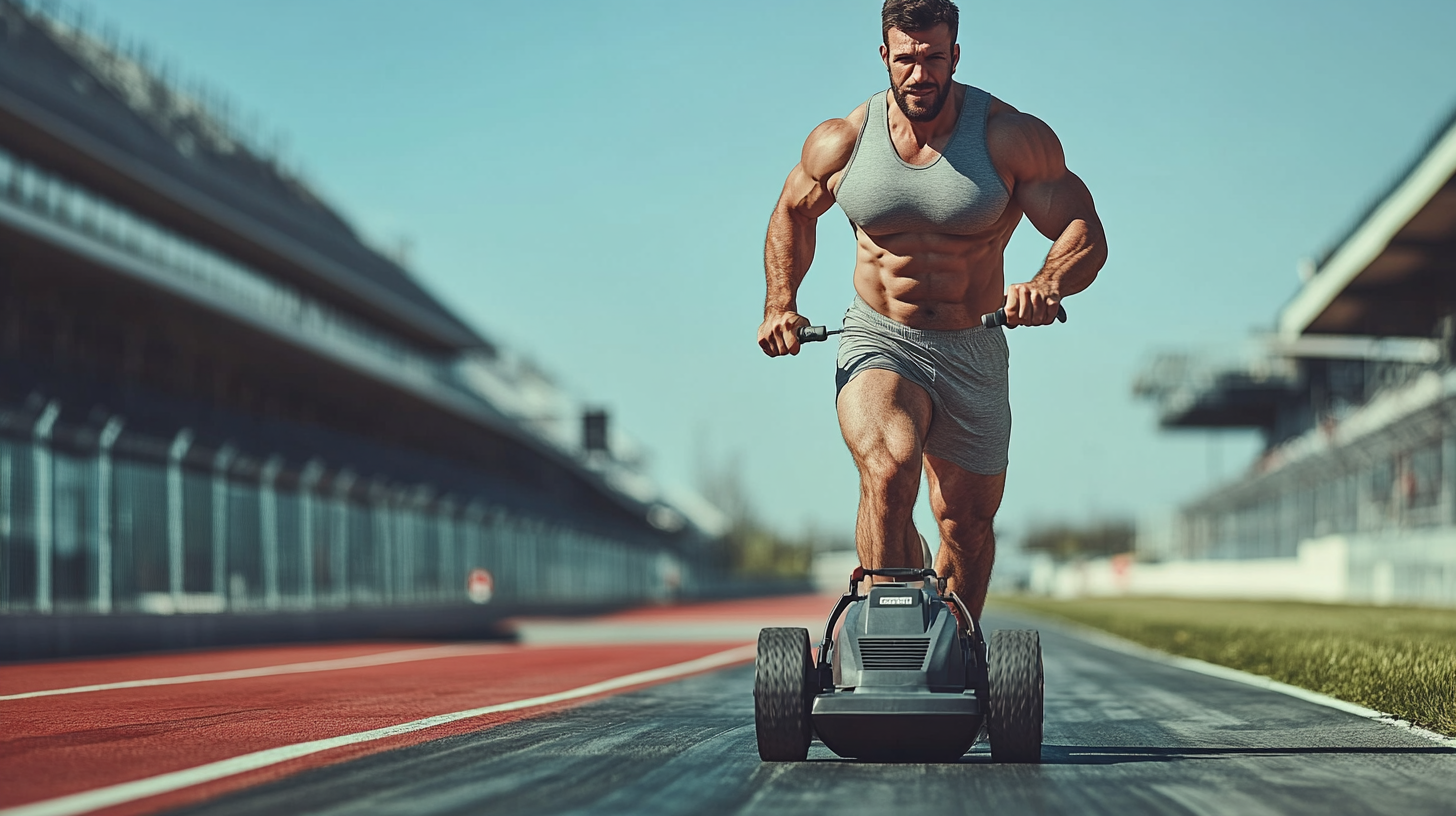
x: 1074, y: 260
x: 787, y: 254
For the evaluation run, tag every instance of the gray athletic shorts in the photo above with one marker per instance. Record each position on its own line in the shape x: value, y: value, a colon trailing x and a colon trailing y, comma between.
x: 964, y: 371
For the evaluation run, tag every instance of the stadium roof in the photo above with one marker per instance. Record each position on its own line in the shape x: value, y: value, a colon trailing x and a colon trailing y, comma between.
x: 71, y: 101
x: 1394, y: 272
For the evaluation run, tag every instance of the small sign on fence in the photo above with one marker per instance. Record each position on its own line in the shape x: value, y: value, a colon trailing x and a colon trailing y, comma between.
x: 480, y: 585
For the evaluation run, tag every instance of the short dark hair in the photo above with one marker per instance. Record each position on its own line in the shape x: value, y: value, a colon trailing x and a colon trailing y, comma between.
x: 918, y: 15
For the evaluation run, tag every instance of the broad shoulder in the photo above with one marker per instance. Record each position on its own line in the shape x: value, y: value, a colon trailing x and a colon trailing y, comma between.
x: 1022, y: 145
x: 831, y: 144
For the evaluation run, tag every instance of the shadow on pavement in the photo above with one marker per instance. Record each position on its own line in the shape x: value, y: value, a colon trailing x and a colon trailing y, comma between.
x: 1117, y: 755
x: 1103, y: 755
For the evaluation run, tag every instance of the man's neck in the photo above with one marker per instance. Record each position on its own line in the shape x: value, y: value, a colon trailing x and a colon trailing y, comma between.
x: 928, y: 130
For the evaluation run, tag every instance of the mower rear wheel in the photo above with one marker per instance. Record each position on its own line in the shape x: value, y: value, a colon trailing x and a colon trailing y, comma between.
x: 1014, y: 719
x: 782, y: 695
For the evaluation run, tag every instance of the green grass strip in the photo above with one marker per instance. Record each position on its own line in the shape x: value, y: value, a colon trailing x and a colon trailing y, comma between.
x: 1401, y: 661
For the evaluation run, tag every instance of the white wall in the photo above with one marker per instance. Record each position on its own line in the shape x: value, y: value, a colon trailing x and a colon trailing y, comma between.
x: 1411, y: 569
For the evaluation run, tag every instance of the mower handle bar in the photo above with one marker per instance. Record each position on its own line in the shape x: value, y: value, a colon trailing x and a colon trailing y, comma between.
x: 814, y: 334
x: 910, y: 573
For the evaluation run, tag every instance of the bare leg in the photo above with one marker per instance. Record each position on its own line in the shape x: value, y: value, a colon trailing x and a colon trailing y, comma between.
x: 965, y: 505
x: 883, y: 418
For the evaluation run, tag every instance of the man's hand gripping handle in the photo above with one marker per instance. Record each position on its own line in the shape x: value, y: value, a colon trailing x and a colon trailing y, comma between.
x: 998, y: 318
x: 813, y: 334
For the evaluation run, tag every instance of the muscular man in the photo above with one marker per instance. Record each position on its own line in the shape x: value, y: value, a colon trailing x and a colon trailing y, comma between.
x: 934, y: 176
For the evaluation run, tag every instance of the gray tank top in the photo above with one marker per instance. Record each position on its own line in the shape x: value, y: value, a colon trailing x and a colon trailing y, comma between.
x: 957, y: 194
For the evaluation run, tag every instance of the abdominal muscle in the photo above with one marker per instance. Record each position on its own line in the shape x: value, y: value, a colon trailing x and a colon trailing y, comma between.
x: 932, y: 281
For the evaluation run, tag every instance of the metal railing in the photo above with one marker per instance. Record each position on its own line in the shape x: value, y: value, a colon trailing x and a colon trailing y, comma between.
x: 103, y: 530
x: 1390, y: 484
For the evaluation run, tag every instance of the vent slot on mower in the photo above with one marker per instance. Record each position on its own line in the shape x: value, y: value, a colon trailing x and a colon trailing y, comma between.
x: 893, y: 654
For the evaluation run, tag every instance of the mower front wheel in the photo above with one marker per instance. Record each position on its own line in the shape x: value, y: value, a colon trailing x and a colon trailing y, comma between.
x: 781, y: 695
x: 1014, y: 721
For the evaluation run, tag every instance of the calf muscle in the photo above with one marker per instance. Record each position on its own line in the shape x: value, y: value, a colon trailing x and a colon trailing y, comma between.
x: 964, y: 505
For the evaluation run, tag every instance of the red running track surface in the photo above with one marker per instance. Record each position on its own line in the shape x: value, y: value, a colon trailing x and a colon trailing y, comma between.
x: 58, y: 745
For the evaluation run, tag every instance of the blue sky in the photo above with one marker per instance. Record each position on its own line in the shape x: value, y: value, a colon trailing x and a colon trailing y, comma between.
x: 590, y: 182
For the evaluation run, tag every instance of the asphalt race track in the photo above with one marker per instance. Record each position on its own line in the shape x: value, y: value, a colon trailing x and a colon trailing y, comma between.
x: 1124, y: 735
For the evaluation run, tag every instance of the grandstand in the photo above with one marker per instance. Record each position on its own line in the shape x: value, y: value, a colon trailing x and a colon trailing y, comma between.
x: 223, y: 415
x: 1355, y: 394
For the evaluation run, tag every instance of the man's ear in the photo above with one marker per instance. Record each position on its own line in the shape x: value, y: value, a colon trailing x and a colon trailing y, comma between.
x: 885, y: 55
x: 955, y: 56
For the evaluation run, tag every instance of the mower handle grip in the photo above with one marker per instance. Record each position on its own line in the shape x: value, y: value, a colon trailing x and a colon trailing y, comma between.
x: 813, y: 334
x: 998, y: 318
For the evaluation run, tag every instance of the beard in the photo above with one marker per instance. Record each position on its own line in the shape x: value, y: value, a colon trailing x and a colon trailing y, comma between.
x: 916, y: 113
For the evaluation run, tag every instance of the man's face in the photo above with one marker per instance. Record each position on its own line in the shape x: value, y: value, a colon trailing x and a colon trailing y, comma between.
x: 921, y: 64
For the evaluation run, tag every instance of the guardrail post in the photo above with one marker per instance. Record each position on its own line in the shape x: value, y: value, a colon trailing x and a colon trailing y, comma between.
x: 109, y: 435
x: 339, y: 548
x: 409, y: 541
x: 1448, y: 475
x: 473, y: 554
x: 44, y: 483
x: 420, y: 525
x: 312, y: 472
x: 268, y: 518
x: 445, y: 571
x: 379, y: 497
x: 180, y: 445
x: 7, y: 493
x: 221, y: 461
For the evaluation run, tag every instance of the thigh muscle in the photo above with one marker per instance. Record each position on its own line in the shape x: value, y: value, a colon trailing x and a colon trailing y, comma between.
x: 884, y: 418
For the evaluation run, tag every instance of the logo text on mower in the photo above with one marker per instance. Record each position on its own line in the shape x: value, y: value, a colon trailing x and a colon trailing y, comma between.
x: 897, y: 600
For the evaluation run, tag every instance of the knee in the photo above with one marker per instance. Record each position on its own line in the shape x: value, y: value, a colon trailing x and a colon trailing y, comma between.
x: 885, y: 467
x: 971, y: 538
x: 969, y: 524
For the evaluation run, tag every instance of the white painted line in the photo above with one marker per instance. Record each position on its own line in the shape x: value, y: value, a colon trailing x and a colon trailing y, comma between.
x: 689, y: 631
x: 1110, y: 641
x: 362, y: 661
x: 166, y: 783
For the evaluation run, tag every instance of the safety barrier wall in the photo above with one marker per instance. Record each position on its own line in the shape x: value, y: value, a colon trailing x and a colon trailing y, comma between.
x: 103, y: 531
x: 1408, y: 568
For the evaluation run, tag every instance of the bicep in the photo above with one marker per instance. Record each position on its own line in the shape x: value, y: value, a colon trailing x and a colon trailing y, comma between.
x: 1051, y: 195
x: 1051, y: 204
x: 805, y: 196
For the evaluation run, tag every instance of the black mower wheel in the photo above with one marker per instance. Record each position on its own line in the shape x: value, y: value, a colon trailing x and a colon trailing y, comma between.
x: 1015, y: 706
x: 781, y: 695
